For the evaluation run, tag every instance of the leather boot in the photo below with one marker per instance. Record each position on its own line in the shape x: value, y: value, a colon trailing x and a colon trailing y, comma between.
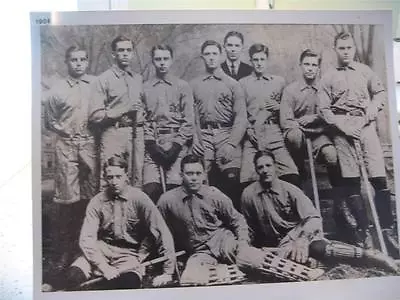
x: 357, y: 256
x: 358, y: 209
x: 384, y: 208
x: 346, y: 224
x: 375, y: 258
x: 392, y: 242
x: 386, y: 219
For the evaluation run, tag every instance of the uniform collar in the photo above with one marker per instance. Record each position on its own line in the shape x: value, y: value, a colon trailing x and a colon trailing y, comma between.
x: 350, y: 66
x: 168, y: 79
x: 266, y: 76
x: 187, y: 196
x: 218, y: 74
x: 118, y: 72
x: 73, y: 81
x: 304, y: 85
x: 274, y: 189
x: 124, y: 196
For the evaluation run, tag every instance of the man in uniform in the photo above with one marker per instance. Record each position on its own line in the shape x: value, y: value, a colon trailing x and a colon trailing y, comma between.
x: 119, y: 109
x: 299, y: 117
x: 299, y: 120
x: 66, y: 114
x: 220, y: 114
x: 351, y: 96
x: 169, y: 124
x: 280, y: 215
x: 263, y: 94
x: 203, y: 221
x: 233, y: 66
x: 120, y: 223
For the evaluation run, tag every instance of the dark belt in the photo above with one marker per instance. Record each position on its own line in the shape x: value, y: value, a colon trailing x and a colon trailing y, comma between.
x: 121, y: 244
x: 120, y: 124
x: 167, y: 130
x: 355, y: 112
x: 215, y: 125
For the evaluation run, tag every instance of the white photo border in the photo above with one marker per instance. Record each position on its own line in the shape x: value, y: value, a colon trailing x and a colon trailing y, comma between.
x: 370, y: 288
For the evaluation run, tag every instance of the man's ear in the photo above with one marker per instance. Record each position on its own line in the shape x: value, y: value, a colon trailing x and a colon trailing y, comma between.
x: 113, y: 54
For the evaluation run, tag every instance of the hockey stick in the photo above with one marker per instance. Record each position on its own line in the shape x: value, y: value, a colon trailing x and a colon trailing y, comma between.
x: 145, y: 264
x: 133, y: 151
x: 161, y: 168
x: 313, y: 176
x: 364, y: 176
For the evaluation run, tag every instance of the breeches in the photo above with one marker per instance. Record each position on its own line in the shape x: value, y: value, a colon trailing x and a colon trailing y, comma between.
x: 76, y: 176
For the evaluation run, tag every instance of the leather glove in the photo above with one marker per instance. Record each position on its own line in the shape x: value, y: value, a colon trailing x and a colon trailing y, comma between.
x: 173, y: 153
x: 156, y: 152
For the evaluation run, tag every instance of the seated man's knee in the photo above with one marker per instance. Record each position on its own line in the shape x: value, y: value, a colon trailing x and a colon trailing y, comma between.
x: 129, y: 280
x: 295, y: 139
x: 330, y: 155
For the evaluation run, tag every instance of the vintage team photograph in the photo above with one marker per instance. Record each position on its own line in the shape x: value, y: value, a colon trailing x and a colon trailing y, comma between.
x: 182, y: 155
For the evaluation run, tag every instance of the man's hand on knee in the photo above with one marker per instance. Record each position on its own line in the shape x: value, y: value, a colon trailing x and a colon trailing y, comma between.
x: 296, y: 250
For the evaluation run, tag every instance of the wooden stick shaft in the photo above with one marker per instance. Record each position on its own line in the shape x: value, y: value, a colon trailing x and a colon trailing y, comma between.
x: 162, y: 179
x: 371, y: 202
x: 313, y: 176
x: 161, y: 168
x: 145, y: 264
x: 133, y: 151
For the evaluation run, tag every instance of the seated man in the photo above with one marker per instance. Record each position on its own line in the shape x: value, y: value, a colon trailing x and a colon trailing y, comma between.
x: 203, y: 220
x: 206, y: 225
x: 279, y: 214
x: 120, y: 222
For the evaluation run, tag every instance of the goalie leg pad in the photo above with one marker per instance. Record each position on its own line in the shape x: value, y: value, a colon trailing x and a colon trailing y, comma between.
x: 266, y: 263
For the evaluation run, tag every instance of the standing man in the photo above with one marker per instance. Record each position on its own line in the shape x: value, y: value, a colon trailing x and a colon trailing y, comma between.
x: 280, y: 215
x: 168, y: 126
x: 119, y: 109
x: 221, y: 121
x: 299, y: 120
x: 120, y: 221
x: 263, y: 94
x: 233, y: 66
x: 66, y: 114
x: 350, y: 98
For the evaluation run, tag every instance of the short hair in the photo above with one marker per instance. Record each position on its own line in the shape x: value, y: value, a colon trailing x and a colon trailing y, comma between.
x: 117, y: 160
x: 191, y: 159
x: 120, y: 38
x: 261, y: 153
x: 75, y: 48
x: 161, y: 47
x: 255, y: 48
x: 211, y: 43
x: 234, y: 33
x: 343, y: 35
x: 309, y: 53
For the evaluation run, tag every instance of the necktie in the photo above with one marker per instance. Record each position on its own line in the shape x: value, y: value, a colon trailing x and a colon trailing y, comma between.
x: 118, y: 223
x: 233, y: 72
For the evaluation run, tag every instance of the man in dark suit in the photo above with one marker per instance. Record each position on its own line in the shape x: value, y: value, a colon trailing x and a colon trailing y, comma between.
x: 233, y: 44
